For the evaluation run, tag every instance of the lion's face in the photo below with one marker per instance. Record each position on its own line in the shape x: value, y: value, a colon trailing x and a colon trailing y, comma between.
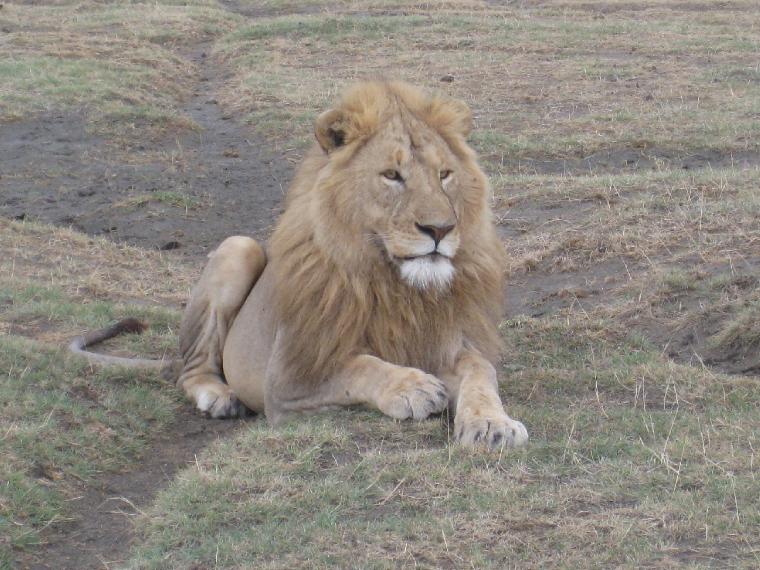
x: 407, y: 189
x: 411, y: 200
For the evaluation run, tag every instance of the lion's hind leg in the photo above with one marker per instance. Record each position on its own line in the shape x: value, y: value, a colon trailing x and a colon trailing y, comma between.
x: 232, y: 270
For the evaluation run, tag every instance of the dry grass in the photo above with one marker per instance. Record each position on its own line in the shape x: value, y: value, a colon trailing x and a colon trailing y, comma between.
x: 546, y: 81
x: 116, y: 62
x: 63, y: 424
x: 89, y: 269
x: 645, y: 219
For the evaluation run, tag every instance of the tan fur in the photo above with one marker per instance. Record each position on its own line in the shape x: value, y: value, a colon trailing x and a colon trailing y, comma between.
x: 352, y: 306
x: 366, y: 305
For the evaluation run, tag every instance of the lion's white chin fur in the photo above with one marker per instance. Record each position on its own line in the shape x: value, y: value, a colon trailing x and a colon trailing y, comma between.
x: 428, y: 272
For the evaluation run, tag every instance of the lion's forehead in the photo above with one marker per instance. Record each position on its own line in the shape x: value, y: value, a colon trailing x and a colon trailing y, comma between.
x: 427, y: 157
x: 407, y: 142
x: 424, y: 138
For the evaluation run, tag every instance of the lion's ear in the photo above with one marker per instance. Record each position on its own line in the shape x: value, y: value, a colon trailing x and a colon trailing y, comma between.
x: 331, y: 129
x: 452, y: 115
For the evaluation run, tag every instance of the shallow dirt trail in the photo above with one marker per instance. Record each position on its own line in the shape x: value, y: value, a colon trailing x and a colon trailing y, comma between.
x: 101, y: 531
x: 241, y: 185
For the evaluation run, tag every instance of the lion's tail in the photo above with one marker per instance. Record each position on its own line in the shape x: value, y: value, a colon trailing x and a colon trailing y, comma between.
x: 130, y: 325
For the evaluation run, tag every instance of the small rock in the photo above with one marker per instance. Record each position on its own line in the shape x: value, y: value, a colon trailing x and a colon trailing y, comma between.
x: 448, y: 78
x: 86, y: 192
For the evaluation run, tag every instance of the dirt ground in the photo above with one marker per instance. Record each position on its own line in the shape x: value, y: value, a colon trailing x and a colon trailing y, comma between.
x: 216, y: 181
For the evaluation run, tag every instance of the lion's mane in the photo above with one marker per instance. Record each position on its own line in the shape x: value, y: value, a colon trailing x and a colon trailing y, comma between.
x: 333, y: 304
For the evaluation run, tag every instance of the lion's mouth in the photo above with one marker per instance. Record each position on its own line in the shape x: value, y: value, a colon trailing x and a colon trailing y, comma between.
x: 432, y: 256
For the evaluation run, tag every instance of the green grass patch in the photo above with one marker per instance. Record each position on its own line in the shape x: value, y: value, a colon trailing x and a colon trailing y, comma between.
x: 30, y: 302
x: 62, y: 423
x: 619, y: 82
x: 37, y: 84
x: 625, y: 469
x: 115, y: 64
x: 327, y: 28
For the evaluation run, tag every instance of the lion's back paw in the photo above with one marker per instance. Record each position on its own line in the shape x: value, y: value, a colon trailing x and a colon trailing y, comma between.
x: 414, y: 395
x: 220, y: 404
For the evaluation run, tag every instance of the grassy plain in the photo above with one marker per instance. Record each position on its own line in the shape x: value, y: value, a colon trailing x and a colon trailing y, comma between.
x: 63, y: 423
x: 622, y: 142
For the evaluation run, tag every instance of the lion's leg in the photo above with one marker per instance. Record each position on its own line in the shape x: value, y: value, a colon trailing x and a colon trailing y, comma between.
x: 398, y: 391
x: 479, y: 416
x: 228, y: 277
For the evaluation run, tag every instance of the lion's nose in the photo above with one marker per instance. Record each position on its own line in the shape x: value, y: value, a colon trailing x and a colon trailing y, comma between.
x: 435, y: 232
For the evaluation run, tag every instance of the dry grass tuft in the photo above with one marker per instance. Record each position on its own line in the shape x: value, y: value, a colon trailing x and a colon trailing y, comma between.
x: 87, y: 268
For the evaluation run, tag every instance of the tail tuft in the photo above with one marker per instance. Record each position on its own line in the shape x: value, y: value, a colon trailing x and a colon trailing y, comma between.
x: 130, y: 325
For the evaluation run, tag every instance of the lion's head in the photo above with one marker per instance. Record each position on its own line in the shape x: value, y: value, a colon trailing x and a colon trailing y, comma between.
x: 387, y: 222
x: 399, y: 180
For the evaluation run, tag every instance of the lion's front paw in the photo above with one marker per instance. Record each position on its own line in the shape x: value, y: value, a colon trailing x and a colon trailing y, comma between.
x: 413, y: 394
x: 219, y: 402
x: 493, y: 430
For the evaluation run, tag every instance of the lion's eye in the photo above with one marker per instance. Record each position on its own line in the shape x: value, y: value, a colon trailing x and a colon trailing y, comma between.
x: 392, y: 175
x: 445, y: 174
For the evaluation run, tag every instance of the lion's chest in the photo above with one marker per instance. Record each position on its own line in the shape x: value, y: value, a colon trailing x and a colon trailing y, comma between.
x: 414, y: 333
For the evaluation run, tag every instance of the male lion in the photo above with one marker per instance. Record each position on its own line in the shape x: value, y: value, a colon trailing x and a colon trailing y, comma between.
x: 381, y: 285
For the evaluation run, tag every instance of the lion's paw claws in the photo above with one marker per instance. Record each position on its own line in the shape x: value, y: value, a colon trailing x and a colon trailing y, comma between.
x: 491, y: 432
x: 417, y: 396
x: 220, y: 405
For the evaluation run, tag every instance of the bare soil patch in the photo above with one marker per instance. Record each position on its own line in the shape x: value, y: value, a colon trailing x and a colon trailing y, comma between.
x: 628, y: 160
x: 187, y: 191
